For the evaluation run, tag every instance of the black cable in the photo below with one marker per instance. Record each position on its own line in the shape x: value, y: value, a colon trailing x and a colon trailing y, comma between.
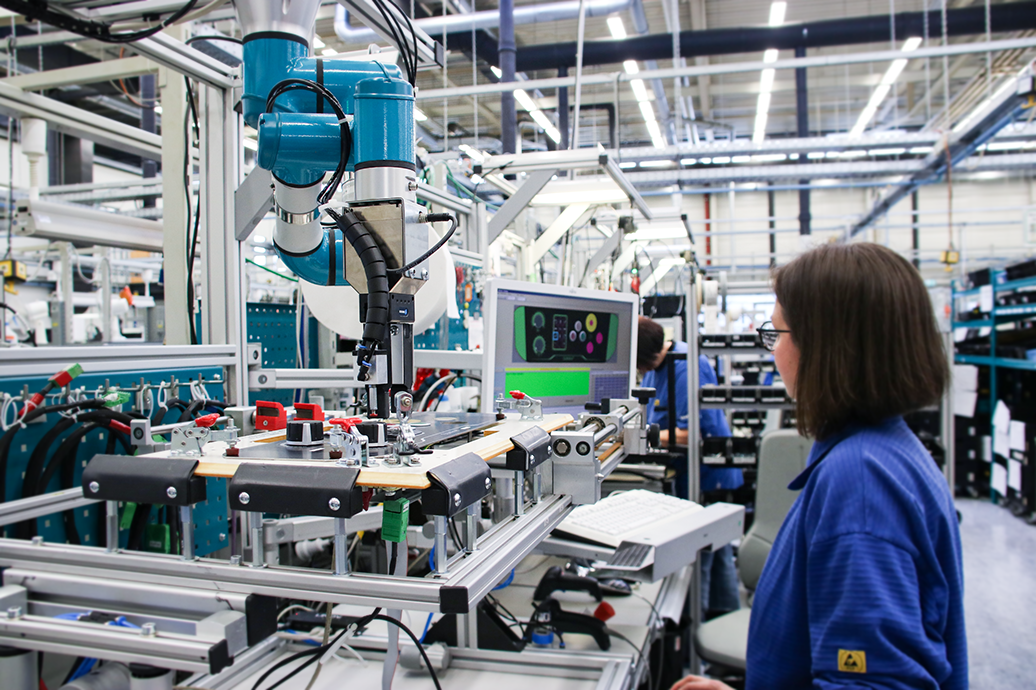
x: 8, y: 438
x: 192, y: 237
x: 138, y: 527
x: 410, y: 633
x: 432, y: 218
x: 313, y: 651
x: 40, y: 10
x: 393, y: 560
x: 8, y: 307
x: 228, y: 39
x: 346, y: 139
x: 393, y: 24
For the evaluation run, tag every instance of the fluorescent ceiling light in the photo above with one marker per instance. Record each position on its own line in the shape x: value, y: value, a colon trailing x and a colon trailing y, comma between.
x: 647, y: 111
x: 496, y: 71
x: 418, y: 115
x: 329, y: 52
x: 616, y: 27
x: 890, y: 77
x: 721, y: 160
x: 766, y: 81
x: 546, y: 125
x: 688, y: 161
x: 631, y: 67
x: 762, y: 105
x: 250, y: 144
x: 922, y: 150
x: 627, y: 165
x: 258, y: 239
x: 639, y: 90
x: 259, y: 250
x: 741, y: 159
x: 762, y: 110
x: 525, y: 100
x: 912, y: 43
x: 472, y: 153
x: 584, y: 190
x: 662, y: 163
x: 656, y: 134
x: 886, y: 152
x: 815, y: 155
x: 317, y: 43
x: 769, y: 158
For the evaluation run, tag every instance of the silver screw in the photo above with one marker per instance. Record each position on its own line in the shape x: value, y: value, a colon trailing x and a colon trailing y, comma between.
x: 334, y: 504
x: 171, y: 492
x: 489, y: 483
x: 148, y: 630
x: 244, y: 497
x: 456, y: 499
x: 222, y: 536
x: 94, y: 487
x: 411, y: 186
x: 14, y: 613
x: 235, y: 560
x: 37, y: 541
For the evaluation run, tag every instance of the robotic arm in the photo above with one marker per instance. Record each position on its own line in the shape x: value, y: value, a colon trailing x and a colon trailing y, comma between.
x: 315, y: 116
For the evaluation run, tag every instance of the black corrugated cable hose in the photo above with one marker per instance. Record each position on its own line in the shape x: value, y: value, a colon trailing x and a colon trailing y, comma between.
x: 191, y: 411
x: 64, y: 459
x: 374, y: 267
x: 8, y: 438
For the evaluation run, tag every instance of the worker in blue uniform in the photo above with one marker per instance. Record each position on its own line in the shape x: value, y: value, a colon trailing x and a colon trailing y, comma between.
x: 719, y: 576
x: 864, y: 584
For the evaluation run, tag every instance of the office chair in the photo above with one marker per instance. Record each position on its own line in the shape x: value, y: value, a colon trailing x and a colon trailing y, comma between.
x: 782, y: 456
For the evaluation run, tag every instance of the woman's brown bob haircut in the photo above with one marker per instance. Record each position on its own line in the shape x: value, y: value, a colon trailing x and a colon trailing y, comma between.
x: 869, y: 347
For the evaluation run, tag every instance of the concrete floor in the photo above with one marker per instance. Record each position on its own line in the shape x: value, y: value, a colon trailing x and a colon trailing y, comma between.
x: 999, y: 595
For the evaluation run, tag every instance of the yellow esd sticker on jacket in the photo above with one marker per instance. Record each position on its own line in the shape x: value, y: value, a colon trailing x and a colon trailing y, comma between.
x: 852, y: 661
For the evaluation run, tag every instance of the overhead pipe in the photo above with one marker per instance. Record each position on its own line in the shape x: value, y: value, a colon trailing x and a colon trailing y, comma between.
x: 802, y: 124
x: 488, y: 19
x: 508, y: 49
x: 1008, y: 17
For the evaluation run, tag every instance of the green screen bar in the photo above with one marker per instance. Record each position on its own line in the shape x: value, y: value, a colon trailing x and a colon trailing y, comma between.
x: 548, y: 383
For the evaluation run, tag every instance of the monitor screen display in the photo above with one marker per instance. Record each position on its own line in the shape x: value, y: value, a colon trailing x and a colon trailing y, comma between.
x: 563, y: 346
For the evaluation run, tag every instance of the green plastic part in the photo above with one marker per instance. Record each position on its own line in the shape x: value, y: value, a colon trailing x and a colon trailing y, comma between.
x: 75, y: 370
x: 114, y: 398
x: 157, y: 539
x: 128, y: 511
x: 395, y: 517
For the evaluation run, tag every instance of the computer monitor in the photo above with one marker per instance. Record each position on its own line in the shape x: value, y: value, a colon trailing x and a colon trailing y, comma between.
x: 564, y: 346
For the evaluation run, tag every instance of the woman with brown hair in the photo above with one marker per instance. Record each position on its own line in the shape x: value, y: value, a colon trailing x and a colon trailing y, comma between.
x: 864, y: 584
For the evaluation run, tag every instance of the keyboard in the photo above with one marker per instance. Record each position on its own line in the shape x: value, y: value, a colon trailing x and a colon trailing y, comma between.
x: 629, y: 557
x: 624, y: 516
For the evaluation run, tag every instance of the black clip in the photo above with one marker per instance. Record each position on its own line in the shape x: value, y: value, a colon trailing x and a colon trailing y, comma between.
x: 531, y: 449
x: 456, y: 485
x: 161, y: 481
x: 296, y: 490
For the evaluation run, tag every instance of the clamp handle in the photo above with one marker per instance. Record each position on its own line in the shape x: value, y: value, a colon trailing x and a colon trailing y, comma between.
x: 518, y: 395
x: 347, y: 423
x: 206, y: 421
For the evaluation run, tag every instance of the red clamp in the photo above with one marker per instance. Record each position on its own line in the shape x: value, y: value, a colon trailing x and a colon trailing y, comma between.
x: 309, y: 411
x: 347, y: 423
x: 518, y: 395
x: 206, y: 420
x: 269, y: 416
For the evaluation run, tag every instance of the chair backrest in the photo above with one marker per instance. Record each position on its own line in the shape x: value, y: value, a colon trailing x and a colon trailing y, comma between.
x: 782, y: 456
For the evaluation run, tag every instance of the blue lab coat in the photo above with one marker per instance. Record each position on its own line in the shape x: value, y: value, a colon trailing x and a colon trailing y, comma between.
x: 863, y: 587
x: 713, y: 423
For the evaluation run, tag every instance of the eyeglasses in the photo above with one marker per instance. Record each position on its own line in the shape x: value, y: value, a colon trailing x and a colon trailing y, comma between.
x: 769, y: 335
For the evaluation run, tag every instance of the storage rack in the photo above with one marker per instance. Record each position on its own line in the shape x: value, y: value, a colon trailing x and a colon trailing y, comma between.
x: 998, y: 315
